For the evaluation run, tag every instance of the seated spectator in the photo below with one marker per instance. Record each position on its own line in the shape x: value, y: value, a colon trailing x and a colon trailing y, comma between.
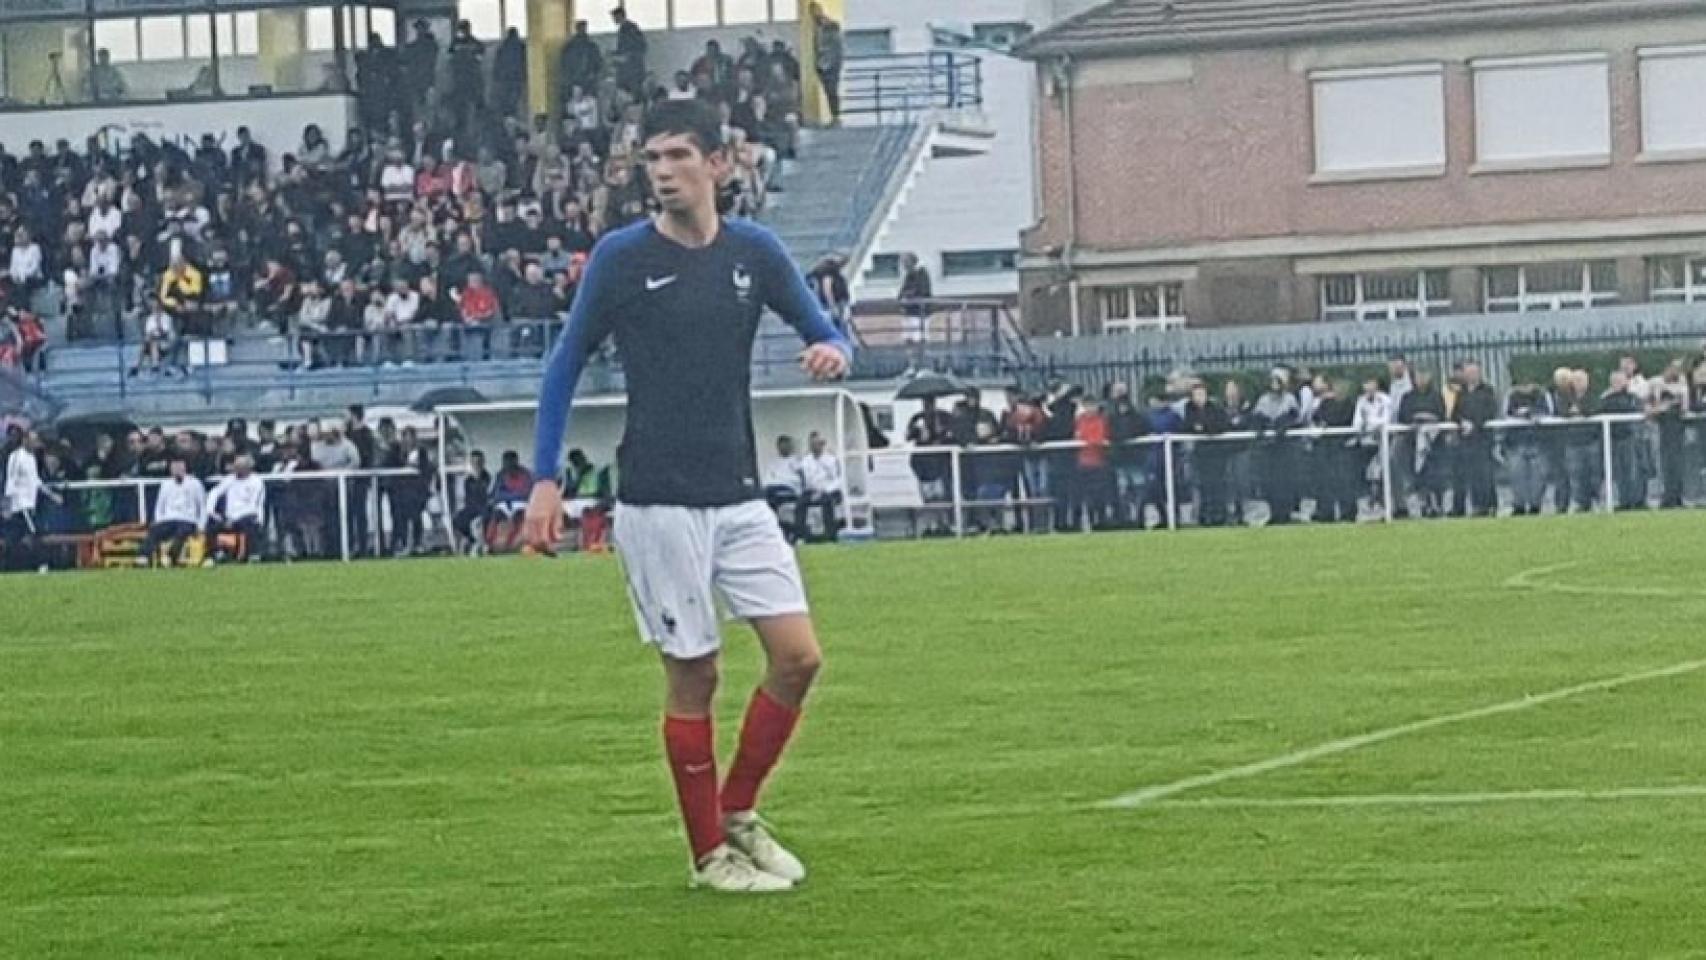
x: 220, y: 306
x: 159, y: 352
x: 480, y: 311
x: 823, y: 487
x: 311, y: 326
x: 510, y: 491
x: 533, y: 310
x: 591, y: 500
x: 178, y: 509
x: 476, y: 504
x: 237, y: 506
x: 27, y: 267
x: 784, y: 487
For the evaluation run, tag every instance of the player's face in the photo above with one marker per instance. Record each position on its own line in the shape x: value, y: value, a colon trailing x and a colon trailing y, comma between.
x: 683, y: 176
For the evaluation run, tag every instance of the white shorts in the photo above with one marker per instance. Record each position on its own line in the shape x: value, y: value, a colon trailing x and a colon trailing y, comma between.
x: 681, y: 560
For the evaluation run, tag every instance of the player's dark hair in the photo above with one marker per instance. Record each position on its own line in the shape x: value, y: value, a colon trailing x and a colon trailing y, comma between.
x: 694, y: 118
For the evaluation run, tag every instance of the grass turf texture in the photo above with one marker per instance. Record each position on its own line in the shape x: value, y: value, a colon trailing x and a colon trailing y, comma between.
x: 462, y: 758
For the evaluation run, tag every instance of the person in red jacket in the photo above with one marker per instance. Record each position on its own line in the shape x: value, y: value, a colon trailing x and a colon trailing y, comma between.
x: 1094, y: 477
x: 480, y: 310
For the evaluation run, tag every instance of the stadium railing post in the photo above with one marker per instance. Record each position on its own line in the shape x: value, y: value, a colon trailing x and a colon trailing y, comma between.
x: 1386, y: 472
x: 959, y: 501
x: 142, y: 503
x: 1172, y: 482
x: 343, y: 515
x: 376, y: 530
x: 1610, y: 491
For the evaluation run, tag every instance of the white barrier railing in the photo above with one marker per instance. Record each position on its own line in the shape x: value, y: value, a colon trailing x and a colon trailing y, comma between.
x: 1175, y: 448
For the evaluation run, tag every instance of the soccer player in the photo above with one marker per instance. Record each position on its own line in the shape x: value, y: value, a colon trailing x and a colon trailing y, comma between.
x: 682, y: 295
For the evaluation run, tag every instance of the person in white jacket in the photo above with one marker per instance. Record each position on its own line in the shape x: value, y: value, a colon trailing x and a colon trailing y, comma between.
x: 22, y: 489
x: 178, y: 512
x: 237, y: 504
x: 1374, y: 410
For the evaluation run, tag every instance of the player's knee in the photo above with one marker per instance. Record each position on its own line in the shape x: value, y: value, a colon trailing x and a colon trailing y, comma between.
x: 798, y: 668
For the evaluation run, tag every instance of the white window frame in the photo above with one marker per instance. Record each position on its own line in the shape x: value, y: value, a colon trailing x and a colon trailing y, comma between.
x: 1693, y: 287
x: 1432, y: 168
x: 1649, y: 55
x: 1129, y: 321
x: 776, y: 11
x: 1480, y: 69
x: 1367, y: 309
x: 1526, y: 301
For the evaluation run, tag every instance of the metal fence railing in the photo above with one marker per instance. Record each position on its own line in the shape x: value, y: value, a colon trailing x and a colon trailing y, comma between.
x: 894, y: 86
x: 1545, y: 465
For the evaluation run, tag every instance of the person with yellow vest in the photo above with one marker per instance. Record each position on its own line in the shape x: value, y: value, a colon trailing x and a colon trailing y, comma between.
x: 589, y: 505
x: 182, y: 290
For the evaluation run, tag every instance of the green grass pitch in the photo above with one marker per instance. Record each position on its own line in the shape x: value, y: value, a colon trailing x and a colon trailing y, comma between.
x: 461, y: 759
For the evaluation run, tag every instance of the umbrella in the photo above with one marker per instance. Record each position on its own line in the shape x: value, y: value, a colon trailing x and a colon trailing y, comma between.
x: 928, y: 386
x: 447, y: 397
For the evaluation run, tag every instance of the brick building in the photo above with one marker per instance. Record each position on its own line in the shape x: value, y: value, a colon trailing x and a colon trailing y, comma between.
x: 1225, y: 162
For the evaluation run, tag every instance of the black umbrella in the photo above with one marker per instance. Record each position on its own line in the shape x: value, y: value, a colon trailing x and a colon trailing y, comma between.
x: 928, y: 386
x: 447, y: 397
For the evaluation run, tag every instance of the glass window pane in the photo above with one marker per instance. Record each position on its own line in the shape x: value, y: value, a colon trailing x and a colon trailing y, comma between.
x: 1146, y: 301
x: 695, y: 13
x: 484, y: 16
x: 515, y: 15
x: 223, y: 28
x: 1698, y: 269
x: 1603, y: 276
x: 1172, y: 299
x: 746, y: 11
x: 117, y: 37
x: 649, y: 14
x: 198, y: 37
x: 248, y: 34
x: 1438, y: 286
x: 318, y: 29
x: 354, y: 36
x: 385, y: 24
x: 1391, y: 286
x: 1554, y: 278
x: 784, y: 10
x: 1339, y: 290
x: 1116, y: 303
x: 1502, y: 281
x: 162, y: 38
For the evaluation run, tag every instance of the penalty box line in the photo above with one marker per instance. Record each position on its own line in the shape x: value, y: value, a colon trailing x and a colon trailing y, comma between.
x: 1150, y: 795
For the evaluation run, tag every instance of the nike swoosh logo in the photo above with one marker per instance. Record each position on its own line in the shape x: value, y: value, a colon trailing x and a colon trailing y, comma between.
x: 658, y: 283
x: 697, y: 769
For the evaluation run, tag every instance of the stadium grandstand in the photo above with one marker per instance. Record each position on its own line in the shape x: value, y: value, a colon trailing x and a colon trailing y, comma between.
x: 282, y: 282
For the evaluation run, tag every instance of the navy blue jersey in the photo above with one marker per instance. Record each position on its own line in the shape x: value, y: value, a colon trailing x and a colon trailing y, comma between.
x: 684, y: 320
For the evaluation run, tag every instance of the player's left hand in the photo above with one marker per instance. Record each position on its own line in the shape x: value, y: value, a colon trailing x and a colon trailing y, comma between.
x: 824, y: 362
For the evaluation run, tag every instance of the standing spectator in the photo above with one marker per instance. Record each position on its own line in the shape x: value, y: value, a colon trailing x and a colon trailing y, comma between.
x: 1374, y: 412
x: 1126, y: 425
x: 1160, y: 419
x: 582, y: 66
x: 476, y: 500
x: 823, y: 488
x: 1423, y: 411
x: 467, y: 93
x: 1402, y: 445
x: 419, y: 66
x: 1525, y: 453
x: 1095, y: 479
x: 1023, y: 424
x: 1629, y: 480
x: 333, y: 453
x: 178, y: 510
x: 1238, y: 483
x: 244, y: 512
x: 360, y: 436
x: 915, y: 294
x: 20, y: 499
x: 828, y: 281
x: 630, y: 59
x: 409, y: 498
x: 932, y: 427
x: 1477, y: 405
x: 1206, y: 417
x: 1668, y: 400
x: 106, y: 266
x: 1275, y: 415
x: 509, y: 73
x: 828, y: 50
x: 182, y: 291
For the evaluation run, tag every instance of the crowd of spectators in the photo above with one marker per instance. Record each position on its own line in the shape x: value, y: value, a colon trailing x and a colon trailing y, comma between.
x: 449, y: 224
x: 1462, y: 437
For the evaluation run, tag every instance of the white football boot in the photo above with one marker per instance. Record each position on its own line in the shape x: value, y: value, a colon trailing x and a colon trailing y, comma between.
x: 727, y: 870
x: 748, y: 833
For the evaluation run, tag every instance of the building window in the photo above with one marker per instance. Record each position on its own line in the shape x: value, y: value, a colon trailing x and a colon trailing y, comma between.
x: 318, y: 29
x: 868, y: 43
x: 1401, y: 295
x: 1000, y: 36
x: 1539, y: 111
x: 1672, y: 79
x: 238, y: 34
x: 490, y: 18
x: 884, y: 266
x: 1142, y: 306
x: 1386, y: 121
x: 118, y: 38
x: 978, y: 263
x: 1677, y: 279
x: 1570, y: 285
x: 745, y: 11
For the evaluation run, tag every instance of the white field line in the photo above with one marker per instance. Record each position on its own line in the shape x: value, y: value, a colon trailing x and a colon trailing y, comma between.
x: 1535, y: 579
x: 1149, y: 795
x: 1683, y: 792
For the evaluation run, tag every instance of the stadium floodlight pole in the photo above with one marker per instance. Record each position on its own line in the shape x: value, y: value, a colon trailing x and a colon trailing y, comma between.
x: 1172, y: 490
x: 1386, y: 470
x: 959, y: 501
x: 1610, y: 482
x: 343, y: 515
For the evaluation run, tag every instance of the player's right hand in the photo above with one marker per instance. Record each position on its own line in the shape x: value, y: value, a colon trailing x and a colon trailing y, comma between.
x: 543, y: 526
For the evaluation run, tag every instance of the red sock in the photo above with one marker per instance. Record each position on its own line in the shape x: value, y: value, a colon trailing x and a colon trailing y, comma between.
x: 763, y: 734
x: 693, y: 762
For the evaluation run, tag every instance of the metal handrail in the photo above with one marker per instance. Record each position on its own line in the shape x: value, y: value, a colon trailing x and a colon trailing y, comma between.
x: 888, y: 84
